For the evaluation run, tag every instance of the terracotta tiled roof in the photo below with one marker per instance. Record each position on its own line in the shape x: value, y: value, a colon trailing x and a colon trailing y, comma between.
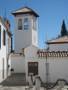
x: 9, y: 33
x: 3, y: 22
x: 25, y: 10
x: 17, y: 54
x: 20, y: 53
x: 52, y: 54
x: 58, y: 40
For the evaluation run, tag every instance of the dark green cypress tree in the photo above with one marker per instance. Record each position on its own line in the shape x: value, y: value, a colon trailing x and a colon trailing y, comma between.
x: 64, y: 31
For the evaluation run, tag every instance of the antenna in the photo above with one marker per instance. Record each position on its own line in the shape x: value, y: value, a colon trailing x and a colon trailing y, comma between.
x: 46, y: 39
x: 25, y: 2
x: 1, y: 11
x: 5, y: 14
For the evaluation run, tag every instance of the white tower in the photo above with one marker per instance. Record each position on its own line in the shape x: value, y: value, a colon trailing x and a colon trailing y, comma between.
x: 26, y: 32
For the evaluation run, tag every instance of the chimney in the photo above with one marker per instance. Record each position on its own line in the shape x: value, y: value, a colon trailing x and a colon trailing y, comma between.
x: 7, y: 24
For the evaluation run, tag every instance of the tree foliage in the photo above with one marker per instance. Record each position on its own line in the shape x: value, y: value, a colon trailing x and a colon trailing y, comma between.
x: 64, y: 31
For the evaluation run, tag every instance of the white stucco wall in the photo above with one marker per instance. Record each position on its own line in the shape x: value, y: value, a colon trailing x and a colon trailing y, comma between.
x: 58, y: 47
x: 18, y: 63
x: 57, y: 65
x: 4, y: 55
x: 8, y: 44
x: 35, y: 37
x: 3, y: 60
x: 24, y: 38
x: 41, y: 68
x: 57, y: 68
x: 31, y: 51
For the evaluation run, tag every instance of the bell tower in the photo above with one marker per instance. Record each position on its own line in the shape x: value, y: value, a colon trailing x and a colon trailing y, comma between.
x: 26, y: 26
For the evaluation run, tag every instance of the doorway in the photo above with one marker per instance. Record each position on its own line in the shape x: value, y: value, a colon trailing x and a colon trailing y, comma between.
x: 33, y: 68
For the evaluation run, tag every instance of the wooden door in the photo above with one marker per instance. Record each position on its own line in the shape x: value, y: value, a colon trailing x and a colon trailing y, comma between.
x: 33, y: 68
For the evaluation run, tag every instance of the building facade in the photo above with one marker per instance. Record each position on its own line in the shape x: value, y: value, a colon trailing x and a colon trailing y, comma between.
x: 30, y: 58
x: 27, y: 57
x: 5, y: 49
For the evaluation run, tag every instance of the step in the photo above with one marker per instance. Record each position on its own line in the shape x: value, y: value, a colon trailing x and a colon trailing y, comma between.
x: 15, y: 79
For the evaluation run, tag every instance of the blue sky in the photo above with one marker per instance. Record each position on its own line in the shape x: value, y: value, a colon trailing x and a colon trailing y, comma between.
x: 51, y: 13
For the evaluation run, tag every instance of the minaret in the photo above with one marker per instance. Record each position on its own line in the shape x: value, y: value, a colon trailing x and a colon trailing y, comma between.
x: 26, y: 26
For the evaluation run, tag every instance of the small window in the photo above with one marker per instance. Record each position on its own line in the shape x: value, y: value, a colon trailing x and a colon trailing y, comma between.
x: 20, y: 24
x: 26, y: 27
x: 25, y: 20
x: 0, y: 36
x: 26, y: 24
x: 4, y: 37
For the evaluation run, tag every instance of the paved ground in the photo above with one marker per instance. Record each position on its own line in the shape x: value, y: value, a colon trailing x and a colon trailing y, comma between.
x: 18, y: 82
x: 17, y: 88
x: 27, y: 88
x: 16, y: 79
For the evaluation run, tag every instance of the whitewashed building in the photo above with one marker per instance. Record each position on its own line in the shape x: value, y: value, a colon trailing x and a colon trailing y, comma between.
x: 25, y: 36
x: 5, y: 48
x: 57, y: 58
x: 27, y: 57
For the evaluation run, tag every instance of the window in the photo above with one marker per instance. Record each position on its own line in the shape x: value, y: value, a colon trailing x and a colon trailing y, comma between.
x: 4, y: 37
x: 20, y: 24
x: 0, y: 36
x: 26, y: 24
